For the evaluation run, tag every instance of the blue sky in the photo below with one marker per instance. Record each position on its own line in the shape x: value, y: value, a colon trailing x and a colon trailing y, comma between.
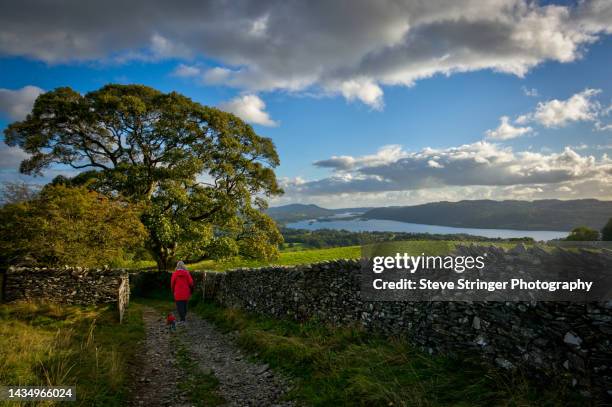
x: 382, y: 104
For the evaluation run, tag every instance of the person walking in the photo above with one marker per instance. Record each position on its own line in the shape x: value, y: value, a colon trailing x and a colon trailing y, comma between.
x: 182, y: 287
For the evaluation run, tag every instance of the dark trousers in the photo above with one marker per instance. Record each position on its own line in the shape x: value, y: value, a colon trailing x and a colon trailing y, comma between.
x: 181, y: 308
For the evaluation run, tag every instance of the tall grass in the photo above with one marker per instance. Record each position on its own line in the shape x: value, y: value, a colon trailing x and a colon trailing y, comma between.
x: 44, y: 344
x: 351, y: 367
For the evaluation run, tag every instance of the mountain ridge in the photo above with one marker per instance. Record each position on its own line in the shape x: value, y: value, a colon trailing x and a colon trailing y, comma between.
x: 544, y: 214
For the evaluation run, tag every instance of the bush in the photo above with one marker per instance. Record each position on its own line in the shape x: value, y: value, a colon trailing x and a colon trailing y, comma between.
x: 583, y: 233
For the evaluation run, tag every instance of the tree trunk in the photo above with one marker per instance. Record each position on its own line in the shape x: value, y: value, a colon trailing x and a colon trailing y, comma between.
x: 164, y: 256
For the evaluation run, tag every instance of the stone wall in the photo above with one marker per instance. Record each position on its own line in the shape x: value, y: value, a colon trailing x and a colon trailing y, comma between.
x: 564, y: 340
x: 68, y: 286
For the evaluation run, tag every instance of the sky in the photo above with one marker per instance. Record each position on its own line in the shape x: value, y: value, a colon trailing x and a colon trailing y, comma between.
x: 368, y: 103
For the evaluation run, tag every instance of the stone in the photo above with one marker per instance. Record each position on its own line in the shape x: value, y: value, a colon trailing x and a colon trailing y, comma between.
x: 572, y: 339
x: 504, y: 363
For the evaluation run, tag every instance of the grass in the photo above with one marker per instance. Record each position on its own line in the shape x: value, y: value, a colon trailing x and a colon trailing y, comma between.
x: 296, y: 256
x: 44, y: 344
x: 347, y: 367
x: 202, y: 387
x: 292, y: 256
x: 286, y: 258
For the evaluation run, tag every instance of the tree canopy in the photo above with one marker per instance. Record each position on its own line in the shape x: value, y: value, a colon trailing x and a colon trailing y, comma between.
x: 201, y: 173
x: 69, y: 226
x: 583, y: 233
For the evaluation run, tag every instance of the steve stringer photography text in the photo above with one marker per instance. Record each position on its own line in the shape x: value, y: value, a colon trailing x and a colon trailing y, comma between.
x: 458, y: 264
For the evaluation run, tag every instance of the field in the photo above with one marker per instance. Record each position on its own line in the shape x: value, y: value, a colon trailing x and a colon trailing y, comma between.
x: 296, y: 255
x: 44, y: 344
x: 286, y: 258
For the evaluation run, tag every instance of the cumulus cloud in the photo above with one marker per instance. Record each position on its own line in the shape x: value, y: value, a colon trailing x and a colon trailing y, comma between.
x: 16, y: 104
x: 350, y: 48
x: 506, y: 131
x: 250, y: 108
x: 481, y: 166
x: 384, y: 155
x: 364, y: 90
x: 559, y: 113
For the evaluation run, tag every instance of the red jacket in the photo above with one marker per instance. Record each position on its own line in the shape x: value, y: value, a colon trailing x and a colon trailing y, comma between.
x: 181, y: 284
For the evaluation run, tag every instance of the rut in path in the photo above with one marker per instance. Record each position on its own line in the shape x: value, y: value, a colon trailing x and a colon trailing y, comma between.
x: 241, y: 382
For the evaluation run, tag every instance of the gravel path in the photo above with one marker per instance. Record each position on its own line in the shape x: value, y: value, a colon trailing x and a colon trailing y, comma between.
x: 241, y: 382
x: 157, y: 375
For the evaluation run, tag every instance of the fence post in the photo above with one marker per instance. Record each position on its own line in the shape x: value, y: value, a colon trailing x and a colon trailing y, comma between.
x: 123, y: 295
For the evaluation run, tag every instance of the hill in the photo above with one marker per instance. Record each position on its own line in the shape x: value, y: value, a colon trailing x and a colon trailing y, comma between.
x: 547, y: 214
x: 296, y: 212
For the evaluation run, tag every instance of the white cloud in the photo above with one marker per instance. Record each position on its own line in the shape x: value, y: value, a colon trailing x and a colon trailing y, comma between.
x: 531, y: 92
x: 482, y: 168
x: 16, y: 104
x: 384, y: 155
x: 186, y: 71
x: 434, y: 164
x: 250, y: 108
x: 362, y: 89
x: 506, y: 131
x: 559, y: 113
x: 599, y: 126
x: 352, y: 49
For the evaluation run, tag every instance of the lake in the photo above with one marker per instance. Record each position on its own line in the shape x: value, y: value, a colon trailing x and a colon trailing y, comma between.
x: 379, y: 225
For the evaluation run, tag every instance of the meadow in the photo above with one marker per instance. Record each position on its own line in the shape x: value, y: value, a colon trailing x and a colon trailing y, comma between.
x: 299, y: 254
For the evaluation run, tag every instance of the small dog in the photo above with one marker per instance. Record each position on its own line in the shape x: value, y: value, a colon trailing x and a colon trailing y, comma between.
x: 171, y: 322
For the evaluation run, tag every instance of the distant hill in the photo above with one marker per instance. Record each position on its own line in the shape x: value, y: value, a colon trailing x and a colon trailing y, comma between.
x: 297, y: 212
x: 294, y: 212
x: 547, y: 214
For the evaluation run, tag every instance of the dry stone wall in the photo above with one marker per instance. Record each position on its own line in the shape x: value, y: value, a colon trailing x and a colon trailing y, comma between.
x: 68, y: 285
x: 560, y: 339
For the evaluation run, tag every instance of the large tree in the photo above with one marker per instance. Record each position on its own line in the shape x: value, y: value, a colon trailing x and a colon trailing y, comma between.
x: 201, y: 173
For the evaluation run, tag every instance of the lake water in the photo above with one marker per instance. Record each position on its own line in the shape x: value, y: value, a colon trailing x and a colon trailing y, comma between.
x: 379, y: 225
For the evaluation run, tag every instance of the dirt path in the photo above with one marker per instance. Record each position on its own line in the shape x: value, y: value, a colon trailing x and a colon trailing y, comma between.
x: 157, y: 375
x: 241, y: 382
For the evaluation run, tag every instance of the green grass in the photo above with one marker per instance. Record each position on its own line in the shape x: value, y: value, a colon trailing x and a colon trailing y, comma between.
x: 298, y: 255
x: 202, y: 387
x: 44, y: 344
x: 347, y: 367
x: 289, y: 258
